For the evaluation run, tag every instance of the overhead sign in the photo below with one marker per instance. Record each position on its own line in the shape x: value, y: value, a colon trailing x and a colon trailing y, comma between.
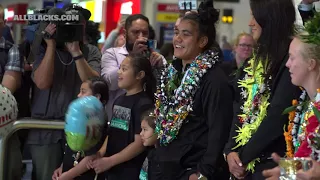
x: 167, y: 17
x: 126, y: 8
x: 168, y: 8
x: 188, y: 4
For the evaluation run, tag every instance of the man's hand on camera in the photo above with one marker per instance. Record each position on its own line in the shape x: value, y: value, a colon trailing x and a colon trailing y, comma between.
x: 74, y: 48
x: 50, y: 30
x: 140, y: 45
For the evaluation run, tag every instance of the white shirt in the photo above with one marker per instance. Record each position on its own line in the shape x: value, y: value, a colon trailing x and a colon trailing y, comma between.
x: 299, y: 21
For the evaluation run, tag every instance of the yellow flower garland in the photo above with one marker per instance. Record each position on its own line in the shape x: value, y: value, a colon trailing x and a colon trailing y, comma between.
x: 252, y: 116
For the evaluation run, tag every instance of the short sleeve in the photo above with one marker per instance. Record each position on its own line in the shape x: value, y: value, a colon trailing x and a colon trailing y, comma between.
x: 94, y: 58
x: 15, y: 60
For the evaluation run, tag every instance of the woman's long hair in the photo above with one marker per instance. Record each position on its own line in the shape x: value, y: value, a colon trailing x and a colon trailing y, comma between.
x: 276, y: 18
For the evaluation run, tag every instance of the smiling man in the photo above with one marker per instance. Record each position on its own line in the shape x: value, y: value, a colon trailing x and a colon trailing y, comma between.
x: 136, y: 34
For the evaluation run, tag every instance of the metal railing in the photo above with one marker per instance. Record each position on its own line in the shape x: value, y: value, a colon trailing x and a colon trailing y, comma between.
x: 19, y: 124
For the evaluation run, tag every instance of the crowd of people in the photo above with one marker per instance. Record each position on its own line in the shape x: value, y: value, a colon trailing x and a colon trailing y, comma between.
x: 191, y: 117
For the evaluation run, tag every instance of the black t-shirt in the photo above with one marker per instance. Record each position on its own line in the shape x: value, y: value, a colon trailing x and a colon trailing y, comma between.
x: 125, y: 124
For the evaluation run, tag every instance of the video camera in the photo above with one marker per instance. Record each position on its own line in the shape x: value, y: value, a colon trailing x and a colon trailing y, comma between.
x: 70, y: 23
x: 66, y: 31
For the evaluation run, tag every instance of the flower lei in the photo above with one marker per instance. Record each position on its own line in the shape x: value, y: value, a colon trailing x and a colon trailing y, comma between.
x: 256, y: 95
x: 313, y: 138
x: 173, y: 108
x: 291, y: 136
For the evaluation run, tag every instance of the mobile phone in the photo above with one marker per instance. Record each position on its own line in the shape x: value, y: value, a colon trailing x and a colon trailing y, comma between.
x: 188, y: 5
x: 152, y: 44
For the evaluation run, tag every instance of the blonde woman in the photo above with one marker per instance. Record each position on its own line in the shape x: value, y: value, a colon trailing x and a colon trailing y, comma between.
x: 304, y: 68
x: 266, y: 90
x: 243, y: 47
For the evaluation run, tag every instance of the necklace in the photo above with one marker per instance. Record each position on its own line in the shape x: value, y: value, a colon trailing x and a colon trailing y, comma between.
x: 255, y: 94
x: 295, y: 120
x: 66, y: 64
x: 172, y: 108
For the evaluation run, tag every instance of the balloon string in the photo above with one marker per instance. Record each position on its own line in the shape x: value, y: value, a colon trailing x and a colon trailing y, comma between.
x: 96, y: 177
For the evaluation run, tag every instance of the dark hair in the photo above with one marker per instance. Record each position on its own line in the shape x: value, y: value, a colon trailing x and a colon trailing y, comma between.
x: 134, y: 17
x: 205, y: 19
x: 149, y: 117
x: 167, y: 51
x: 182, y: 13
x: 99, y: 86
x: 152, y: 34
x: 92, y: 33
x: 141, y: 62
x: 276, y: 18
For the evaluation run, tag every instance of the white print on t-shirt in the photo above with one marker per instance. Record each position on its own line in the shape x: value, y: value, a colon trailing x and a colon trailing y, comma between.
x: 121, y: 118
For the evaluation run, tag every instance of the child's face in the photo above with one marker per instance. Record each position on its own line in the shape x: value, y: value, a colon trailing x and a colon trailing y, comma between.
x: 147, y: 134
x: 126, y: 75
x: 85, y: 90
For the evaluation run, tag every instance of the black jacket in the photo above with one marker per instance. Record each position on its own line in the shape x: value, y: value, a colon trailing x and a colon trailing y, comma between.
x: 269, y: 137
x: 200, y: 142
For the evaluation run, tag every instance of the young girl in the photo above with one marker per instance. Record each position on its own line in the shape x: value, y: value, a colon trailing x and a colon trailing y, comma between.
x: 149, y: 139
x: 126, y: 153
x: 68, y: 170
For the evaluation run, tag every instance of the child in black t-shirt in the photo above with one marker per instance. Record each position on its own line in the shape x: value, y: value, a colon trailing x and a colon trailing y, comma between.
x: 149, y: 139
x: 74, y: 166
x: 125, y: 152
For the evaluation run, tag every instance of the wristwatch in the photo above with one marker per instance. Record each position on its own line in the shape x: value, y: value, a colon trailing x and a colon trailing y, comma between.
x: 201, y: 177
x: 45, y: 35
x: 78, y: 57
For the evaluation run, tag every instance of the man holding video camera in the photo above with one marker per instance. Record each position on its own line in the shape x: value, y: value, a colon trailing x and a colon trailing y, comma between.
x: 136, y: 34
x: 58, y: 72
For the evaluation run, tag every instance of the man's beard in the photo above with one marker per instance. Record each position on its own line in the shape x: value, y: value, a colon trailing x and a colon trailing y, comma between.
x: 129, y: 46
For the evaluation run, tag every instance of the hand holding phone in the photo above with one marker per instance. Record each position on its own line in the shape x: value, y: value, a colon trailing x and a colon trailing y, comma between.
x: 140, y: 45
x: 152, y: 44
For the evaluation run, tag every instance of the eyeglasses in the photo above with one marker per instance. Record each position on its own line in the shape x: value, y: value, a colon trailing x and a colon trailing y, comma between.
x: 245, y: 46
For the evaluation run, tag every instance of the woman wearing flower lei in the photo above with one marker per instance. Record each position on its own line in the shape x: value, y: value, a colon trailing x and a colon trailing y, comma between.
x: 266, y: 90
x: 303, y: 135
x: 194, y: 103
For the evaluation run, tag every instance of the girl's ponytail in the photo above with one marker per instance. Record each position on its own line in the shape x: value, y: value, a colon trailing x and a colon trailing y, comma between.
x: 150, y: 86
x: 140, y: 62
